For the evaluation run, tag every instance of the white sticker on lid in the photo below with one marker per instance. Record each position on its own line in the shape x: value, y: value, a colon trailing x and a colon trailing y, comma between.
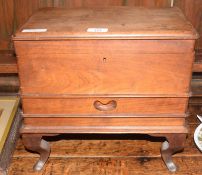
x: 33, y: 30
x: 98, y: 30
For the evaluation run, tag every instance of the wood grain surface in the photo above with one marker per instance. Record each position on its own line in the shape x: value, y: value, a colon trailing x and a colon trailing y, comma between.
x: 27, y: 48
x: 18, y: 11
x: 101, y: 64
x: 14, y: 14
x: 8, y: 63
x: 7, y: 23
x: 100, y: 70
x: 109, y: 154
x: 106, y: 125
x: 107, y: 166
x: 71, y: 73
x: 9, y: 83
x: 193, y: 11
x: 168, y: 23
x: 85, y: 106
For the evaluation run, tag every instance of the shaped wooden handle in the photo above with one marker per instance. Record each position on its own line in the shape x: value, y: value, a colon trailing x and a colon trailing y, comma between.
x: 111, y: 105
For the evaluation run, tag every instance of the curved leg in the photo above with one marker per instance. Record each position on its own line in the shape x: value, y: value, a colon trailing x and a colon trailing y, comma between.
x: 175, y: 143
x: 34, y: 142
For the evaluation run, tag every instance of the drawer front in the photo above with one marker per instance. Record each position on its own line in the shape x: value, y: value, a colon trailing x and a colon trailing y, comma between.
x: 105, y: 106
x: 109, y: 73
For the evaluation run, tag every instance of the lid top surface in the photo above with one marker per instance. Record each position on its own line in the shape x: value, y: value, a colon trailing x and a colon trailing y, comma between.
x: 110, y: 22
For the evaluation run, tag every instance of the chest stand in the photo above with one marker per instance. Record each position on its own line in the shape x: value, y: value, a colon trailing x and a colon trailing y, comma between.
x: 175, y: 143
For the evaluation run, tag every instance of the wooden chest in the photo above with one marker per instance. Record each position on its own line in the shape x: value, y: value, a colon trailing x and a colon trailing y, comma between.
x: 105, y: 70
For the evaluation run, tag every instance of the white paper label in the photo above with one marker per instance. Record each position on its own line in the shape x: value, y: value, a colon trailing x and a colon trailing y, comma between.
x: 97, y: 30
x: 34, y: 30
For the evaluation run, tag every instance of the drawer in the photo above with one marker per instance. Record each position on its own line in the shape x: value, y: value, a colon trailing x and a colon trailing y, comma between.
x: 96, y: 106
x: 109, y: 73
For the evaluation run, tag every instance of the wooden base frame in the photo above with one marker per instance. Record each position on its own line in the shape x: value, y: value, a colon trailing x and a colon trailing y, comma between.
x: 174, y: 143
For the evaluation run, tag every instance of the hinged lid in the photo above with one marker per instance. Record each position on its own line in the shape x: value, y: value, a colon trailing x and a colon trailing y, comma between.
x: 104, y: 23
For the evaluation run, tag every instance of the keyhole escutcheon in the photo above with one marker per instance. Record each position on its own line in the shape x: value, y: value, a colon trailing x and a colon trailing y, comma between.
x: 104, y: 59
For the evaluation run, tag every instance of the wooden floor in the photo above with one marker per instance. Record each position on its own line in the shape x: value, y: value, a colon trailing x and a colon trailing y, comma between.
x: 109, y: 155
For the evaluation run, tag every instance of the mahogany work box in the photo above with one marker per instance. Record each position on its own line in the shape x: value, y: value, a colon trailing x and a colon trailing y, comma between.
x: 105, y: 70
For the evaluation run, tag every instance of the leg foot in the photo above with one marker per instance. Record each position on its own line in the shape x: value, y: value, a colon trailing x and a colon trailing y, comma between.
x: 35, y: 143
x: 174, y: 144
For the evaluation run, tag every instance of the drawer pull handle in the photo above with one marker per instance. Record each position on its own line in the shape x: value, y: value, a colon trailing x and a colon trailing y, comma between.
x: 111, y: 105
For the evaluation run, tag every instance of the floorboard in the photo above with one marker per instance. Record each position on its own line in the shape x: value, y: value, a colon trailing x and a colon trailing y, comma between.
x: 106, y: 166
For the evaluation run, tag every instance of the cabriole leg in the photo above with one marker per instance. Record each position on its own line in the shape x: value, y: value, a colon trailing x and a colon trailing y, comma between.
x: 175, y: 143
x: 34, y: 142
